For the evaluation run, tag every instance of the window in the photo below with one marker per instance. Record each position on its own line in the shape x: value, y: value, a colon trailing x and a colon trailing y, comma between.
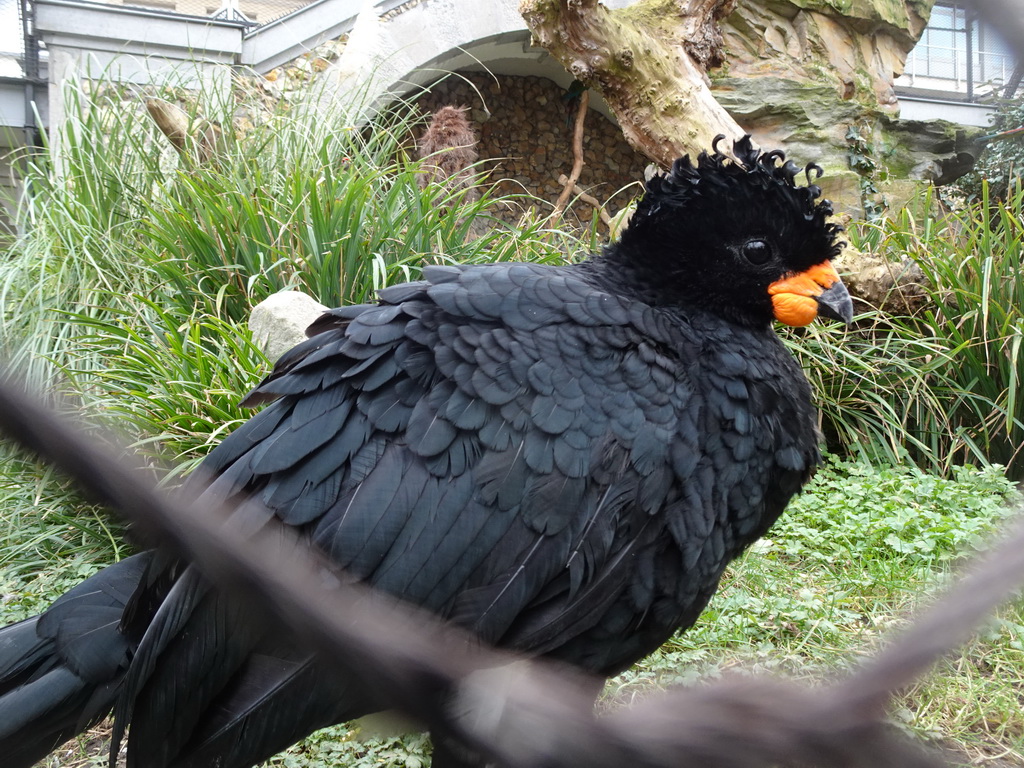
x: 958, y: 54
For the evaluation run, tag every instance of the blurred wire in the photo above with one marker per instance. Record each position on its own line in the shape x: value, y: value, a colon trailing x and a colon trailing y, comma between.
x: 528, y: 713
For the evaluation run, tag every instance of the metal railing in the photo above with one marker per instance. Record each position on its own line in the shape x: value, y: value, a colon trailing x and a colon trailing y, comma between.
x: 254, y: 12
x: 940, y: 62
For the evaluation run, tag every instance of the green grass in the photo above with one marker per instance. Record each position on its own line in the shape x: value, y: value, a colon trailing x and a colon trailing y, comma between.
x: 46, y: 527
x: 874, y: 384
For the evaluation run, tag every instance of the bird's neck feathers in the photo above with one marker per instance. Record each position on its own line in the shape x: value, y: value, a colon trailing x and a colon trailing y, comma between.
x: 639, y: 274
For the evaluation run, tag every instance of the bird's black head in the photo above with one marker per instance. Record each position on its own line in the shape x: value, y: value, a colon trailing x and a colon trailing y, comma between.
x: 736, y: 237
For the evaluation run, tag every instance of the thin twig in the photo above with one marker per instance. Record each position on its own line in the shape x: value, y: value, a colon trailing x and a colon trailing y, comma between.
x: 577, y: 155
x: 588, y: 199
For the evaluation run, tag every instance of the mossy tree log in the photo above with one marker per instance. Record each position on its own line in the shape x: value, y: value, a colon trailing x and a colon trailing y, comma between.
x: 648, y: 62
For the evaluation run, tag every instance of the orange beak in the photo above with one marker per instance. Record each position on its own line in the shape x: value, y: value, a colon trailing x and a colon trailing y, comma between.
x: 798, y: 299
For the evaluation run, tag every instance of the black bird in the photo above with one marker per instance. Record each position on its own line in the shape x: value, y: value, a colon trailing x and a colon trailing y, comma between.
x: 562, y: 460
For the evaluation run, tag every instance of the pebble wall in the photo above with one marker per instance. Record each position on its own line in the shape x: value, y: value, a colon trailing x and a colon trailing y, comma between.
x: 525, y: 128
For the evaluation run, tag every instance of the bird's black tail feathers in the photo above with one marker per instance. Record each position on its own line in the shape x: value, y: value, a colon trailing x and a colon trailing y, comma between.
x: 66, y: 669
x: 60, y: 671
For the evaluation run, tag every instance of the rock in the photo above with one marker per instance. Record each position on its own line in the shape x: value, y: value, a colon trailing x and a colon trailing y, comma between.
x: 843, y: 188
x: 906, y: 194
x: 894, y: 287
x: 279, y: 322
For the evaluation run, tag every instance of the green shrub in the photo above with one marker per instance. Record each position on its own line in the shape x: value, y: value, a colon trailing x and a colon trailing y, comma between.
x: 1000, y: 166
x: 306, y: 198
x: 171, y: 382
x: 972, y: 266
x: 874, y: 385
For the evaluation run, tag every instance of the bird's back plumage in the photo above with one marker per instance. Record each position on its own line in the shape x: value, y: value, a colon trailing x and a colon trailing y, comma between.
x: 561, y: 460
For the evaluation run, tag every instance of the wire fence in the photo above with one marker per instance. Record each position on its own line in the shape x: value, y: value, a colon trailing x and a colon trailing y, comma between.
x: 519, y: 713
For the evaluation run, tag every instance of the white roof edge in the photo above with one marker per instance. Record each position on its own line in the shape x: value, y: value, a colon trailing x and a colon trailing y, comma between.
x: 283, y: 39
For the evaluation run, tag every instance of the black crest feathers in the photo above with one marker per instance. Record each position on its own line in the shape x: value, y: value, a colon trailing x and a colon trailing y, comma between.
x: 724, y: 186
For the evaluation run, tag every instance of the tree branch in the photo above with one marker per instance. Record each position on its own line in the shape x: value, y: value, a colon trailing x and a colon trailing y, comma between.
x: 640, y: 65
x: 588, y: 199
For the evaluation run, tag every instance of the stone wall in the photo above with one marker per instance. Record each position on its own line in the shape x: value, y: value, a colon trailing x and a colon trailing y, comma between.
x: 525, y: 128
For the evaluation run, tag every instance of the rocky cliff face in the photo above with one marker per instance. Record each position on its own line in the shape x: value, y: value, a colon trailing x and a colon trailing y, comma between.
x: 816, y: 76
x: 856, y: 47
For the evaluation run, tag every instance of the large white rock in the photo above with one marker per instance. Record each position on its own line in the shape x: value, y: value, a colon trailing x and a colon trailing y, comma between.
x: 279, y: 322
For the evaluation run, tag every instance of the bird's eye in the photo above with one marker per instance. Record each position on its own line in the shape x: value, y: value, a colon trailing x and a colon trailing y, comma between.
x: 757, y: 251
